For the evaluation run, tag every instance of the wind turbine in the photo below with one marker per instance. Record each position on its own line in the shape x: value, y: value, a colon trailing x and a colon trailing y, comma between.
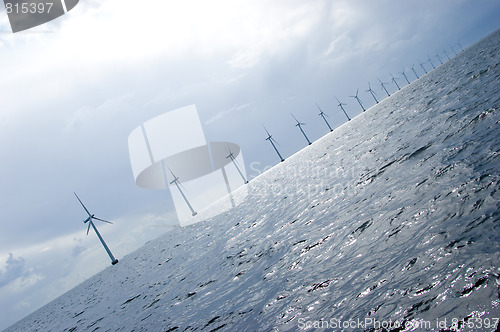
x: 383, y: 86
x: 359, y: 101
x: 300, y: 124
x: 272, y: 141
x: 371, y: 92
x: 394, y: 80
x: 422, y: 65
x: 439, y: 58
x: 446, y: 53
x: 233, y: 159
x: 343, y: 110
x: 89, y: 220
x: 177, y: 182
x: 322, y: 114
x: 406, y: 77
x: 453, y: 50
x: 414, y: 72
x: 430, y: 61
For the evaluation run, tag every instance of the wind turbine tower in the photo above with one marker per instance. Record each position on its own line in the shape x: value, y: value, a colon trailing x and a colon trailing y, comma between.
x: 439, y: 58
x: 406, y: 77
x: 177, y: 182
x: 359, y: 101
x: 446, y: 53
x: 422, y: 65
x: 300, y: 124
x: 432, y: 64
x: 414, y: 72
x: 322, y: 114
x: 233, y: 159
x: 272, y: 141
x: 89, y: 220
x: 383, y: 86
x: 343, y: 110
x: 371, y: 92
x: 394, y: 80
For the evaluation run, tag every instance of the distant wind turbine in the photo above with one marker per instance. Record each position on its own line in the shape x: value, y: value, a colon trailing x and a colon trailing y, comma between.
x: 422, y: 65
x: 394, y: 80
x: 446, y: 53
x: 406, y: 77
x: 453, y: 50
x: 432, y: 64
x: 414, y: 72
x: 343, y: 110
x: 359, y: 101
x: 322, y: 114
x: 89, y: 220
x: 300, y: 124
x: 233, y: 159
x: 177, y: 184
x: 461, y: 47
x: 383, y: 86
x: 439, y: 58
x: 272, y: 141
x: 372, y: 92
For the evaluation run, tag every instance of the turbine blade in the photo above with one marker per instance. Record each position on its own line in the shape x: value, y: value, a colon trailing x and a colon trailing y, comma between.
x: 266, y: 131
x: 321, y: 112
x: 109, y: 222
x: 88, y: 228
x: 82, y: 204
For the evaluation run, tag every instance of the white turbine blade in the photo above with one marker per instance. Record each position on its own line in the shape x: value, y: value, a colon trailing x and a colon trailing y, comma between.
x: 109, y: 222
x: 88, y: 228
x: 82, y: 204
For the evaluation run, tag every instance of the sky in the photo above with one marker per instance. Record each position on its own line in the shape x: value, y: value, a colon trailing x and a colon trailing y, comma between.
x: 72, y: 90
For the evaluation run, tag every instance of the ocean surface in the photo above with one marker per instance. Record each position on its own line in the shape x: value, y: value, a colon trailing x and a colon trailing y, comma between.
x: 388, y: 223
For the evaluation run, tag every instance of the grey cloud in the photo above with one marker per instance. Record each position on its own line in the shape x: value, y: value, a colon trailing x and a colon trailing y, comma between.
x: 77, y: 250
x: 13, y: 269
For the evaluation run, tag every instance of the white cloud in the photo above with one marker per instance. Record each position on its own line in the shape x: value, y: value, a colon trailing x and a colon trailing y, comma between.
x: 226, y: 112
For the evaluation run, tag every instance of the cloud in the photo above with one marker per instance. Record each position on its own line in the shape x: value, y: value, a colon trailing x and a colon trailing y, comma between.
x: 13, y: 270
x: 226, y: 112
x: 77, y: 250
